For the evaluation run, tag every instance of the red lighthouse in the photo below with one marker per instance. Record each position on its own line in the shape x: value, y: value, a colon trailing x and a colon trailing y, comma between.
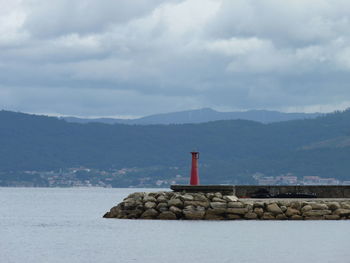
x: 194, y: 169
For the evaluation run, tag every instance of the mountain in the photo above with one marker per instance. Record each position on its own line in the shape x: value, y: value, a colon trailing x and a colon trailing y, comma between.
x: 202, y: 115
x: 231, y: 150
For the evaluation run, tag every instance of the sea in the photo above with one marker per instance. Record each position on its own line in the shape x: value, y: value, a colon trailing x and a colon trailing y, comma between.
x: 66, y: 225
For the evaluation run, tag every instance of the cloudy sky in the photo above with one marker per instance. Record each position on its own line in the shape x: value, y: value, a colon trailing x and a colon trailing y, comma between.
x: 139, y: 57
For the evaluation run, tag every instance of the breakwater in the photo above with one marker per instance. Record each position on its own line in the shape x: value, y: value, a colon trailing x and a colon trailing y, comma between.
x: 226, y: 206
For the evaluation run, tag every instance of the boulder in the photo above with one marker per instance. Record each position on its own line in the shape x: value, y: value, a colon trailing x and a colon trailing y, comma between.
x: 230, y: 198
x: 237, y: 211
x: 283, y: 208
x: 318, y: 206
x: 216, y: 211
x: 193, y: 213
x: 217, y: 199
x: 149, y: 214
x: 291, y: 212
x: 259, y: 205
x: 149, y: 205
x: 213, y: 217
x: 167, y: 215
x: 259, y: 211
x: 233, y: 217
x: 333, y: 206
x: 218, y: 194
x: 250, y: 215
x: 316, y: 213
x: 331, y: 217
x: 149, y: 198
x: 295, y: 205
x: 162, y: 207
x: 274, y: 208
x: 281, y: 217
x: 186, y: 197
x: 204, y: 204
x: 268, y: 216
x: 345, y: 205
x: 175, y: 202
x: 342, y: 212
x: 235, y: 205
x: 306, y: 208
x: 175, y: 210
x: 161, y: 198
x: 218, y: 205
x: 200, y: 197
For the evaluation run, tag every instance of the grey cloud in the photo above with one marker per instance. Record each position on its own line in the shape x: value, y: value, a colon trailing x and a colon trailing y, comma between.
x: 141, y: 57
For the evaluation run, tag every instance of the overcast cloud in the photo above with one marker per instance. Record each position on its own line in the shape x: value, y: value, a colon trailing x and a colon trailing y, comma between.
x: 139, y: 57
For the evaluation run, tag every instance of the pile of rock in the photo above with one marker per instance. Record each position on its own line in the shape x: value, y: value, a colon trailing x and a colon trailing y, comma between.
x: 216, y: 206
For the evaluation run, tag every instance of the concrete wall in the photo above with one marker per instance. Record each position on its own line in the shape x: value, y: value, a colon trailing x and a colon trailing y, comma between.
x: 322, y: 191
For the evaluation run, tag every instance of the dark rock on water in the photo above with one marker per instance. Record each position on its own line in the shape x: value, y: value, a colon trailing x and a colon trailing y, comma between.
x: 218, y: 206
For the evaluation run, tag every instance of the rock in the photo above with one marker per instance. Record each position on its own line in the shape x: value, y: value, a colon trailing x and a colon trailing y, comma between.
x: 316, y: 213
x: 134, y: 214
x: 200, y: 197
x: 149, y: 198
x: 259, y: 205
x: 218, y: 205
x: 342, y: 212
x: 149, y: 214
x: 162, y: 207
x: 186, y: 197
x: 209, y: 195
x: 259, y: 211
x: 213, y: 217
x: 331, y: 217
x: 217, y: 199
x: 333, y: 206
x: 216, y: 211
x: 235, y: 205
x: 250, y: 215
x: 137, y: 196
x: 230, y: 198
x: 149, y: 205
x: 291, y: 212
x: 193, y: 214
x: 175, y: 202
x: 306, y: 208
x: 218, y: 194
x: 296, y: 217
x: 167, y: 215
x: 238, y: 211
x: 161, y: 198
x: 295, y: 205
x: 204, y: 204
x: 284, y: 208
x: 317, y: 206
x: 233, y: 217
x: 129, y: 204
x: 274, y: 208
x: 268, y: 216
x: 345, y: 205
x: 281, y: 217
x: 175, y: 210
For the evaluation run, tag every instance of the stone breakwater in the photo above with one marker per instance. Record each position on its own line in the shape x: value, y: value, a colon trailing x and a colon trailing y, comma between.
x: 216, y: 206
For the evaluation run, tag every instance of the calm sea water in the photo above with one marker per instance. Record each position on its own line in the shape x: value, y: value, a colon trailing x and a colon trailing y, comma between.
x: 66, y: 225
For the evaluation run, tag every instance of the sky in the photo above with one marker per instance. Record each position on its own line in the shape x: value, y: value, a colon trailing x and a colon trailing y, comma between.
x: 130, y: 58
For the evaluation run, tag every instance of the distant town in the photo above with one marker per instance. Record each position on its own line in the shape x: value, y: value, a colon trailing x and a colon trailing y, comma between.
x: 130, y: 177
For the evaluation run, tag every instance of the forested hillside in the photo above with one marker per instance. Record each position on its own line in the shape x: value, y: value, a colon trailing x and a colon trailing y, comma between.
x: 229, y: 149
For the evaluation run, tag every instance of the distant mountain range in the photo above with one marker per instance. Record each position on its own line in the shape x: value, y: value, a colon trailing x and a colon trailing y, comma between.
x: 202, y: 115
x: 231, y: 150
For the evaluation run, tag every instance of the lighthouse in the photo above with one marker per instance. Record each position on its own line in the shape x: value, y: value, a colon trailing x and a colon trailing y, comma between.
x: 194, y: 169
